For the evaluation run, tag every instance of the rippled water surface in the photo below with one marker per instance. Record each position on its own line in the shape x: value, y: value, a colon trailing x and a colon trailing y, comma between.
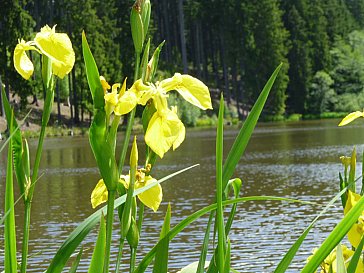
x: 298, y: 160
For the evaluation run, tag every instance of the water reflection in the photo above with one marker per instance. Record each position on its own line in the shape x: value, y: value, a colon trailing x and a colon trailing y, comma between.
x: 298, y: 160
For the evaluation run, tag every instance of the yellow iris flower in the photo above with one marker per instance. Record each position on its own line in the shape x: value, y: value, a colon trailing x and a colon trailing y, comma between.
x: 330, y: 260
x: 165, y: 129
x: 151, y: 197
x: 357, y: 230
x: 56, y: 46
x: 120, y: 103
x: 352, y: 116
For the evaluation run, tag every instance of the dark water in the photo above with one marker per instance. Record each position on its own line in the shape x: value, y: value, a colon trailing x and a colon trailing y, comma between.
x: 297, y: 160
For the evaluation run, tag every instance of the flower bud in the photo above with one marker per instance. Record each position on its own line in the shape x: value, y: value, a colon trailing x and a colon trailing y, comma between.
x: 145, y: 14
x: 134, y: 155
x: 133, y: 234
x: 137, y: 28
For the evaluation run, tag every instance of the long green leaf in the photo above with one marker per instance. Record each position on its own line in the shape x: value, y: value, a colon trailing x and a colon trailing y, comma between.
x: 356, y: 257
x: 77, y: 236
x: 76, y: 262
x: 335, y: 237
x: 227, y: 257
x: 97, y: 261
x: 161, y: 257
x: 9, y: 229
x: 93, y: 76
x: 220, y: 190
x: 288, y: 257
x: 246, y: 131
x: 196, y: 215
x: 16, y: 143
x: 205, y: 245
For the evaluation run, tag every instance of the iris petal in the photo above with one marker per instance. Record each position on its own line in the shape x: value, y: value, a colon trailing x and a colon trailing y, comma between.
x: 163, y: 131
x: 22, y: 63
x: 99, y: 195
x: 352, y: 116
x: 58, y: 47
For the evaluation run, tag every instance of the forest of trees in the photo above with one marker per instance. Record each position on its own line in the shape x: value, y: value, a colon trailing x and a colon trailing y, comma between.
x: 232, y: 45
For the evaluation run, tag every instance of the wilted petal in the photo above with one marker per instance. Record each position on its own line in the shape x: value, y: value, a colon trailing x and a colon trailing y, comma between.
x: 352, y: 116
x: 58, y: 47
x: 22, y: 63
x: 152, y: 198
x: 99, y: 195
x: 162, y: 132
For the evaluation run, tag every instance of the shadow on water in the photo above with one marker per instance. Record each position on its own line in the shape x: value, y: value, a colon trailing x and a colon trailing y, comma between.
x: 298, y: 160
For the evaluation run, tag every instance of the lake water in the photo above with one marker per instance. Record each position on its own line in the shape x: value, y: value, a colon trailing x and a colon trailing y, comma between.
x: 298, y: 160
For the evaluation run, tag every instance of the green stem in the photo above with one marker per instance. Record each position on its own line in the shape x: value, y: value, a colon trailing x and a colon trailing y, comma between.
x: 24, y: 256
x: 109, y: 223
x: 130, y: 119
x: 132, y: 259
x: 120, y: 254
x: 37, y: 161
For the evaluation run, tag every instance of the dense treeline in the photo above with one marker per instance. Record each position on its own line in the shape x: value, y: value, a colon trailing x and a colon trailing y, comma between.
x: 232, y: 45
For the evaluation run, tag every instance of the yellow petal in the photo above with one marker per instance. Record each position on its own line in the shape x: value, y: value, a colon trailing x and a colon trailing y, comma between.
x: 105, y: 85
x: 22, y: 63
x: 352, y: 116
x: 354, y: 235
x: 126, y: 103
x: 99, y: 194
x: 194, y: 91
x: 58, y: 47
x: 143, y: 92
x: 181, y: 134
x: 162, y: 132
x: 152, y: 198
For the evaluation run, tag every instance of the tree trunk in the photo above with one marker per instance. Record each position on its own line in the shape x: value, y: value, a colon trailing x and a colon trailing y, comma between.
x: 1, y: 98
x: 224, y: 67
x: 182, y: 35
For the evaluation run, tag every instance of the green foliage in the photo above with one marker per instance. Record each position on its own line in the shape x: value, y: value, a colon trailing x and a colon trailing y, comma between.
x: 321, y: 97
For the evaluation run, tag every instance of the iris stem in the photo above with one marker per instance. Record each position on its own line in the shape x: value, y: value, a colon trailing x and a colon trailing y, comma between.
x: 130, y: 120
x: 109, y: 224
x: 132, y: 258
x: 24, y: 257
x: 120, y: 254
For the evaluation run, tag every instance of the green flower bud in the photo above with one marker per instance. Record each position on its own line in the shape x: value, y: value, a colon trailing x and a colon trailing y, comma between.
x: 134, y: 155
x: 133, y: 234
x: 145, y: 13
x: 137, y: 28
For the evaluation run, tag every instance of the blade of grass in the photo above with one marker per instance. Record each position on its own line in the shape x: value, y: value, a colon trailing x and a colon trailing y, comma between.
x: 335, y: 237
x: 161, y: 257
x: 196, y: 215
x: 227, y: 257
x: 288, y: 257
x: 9, y: 229
x: 221, y: 245
x: 76, y: 237
x: 98, y: 256
x: 246, y: 131
x: 356, y: 257
x: 76, y: 262
x: 205, y: 246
